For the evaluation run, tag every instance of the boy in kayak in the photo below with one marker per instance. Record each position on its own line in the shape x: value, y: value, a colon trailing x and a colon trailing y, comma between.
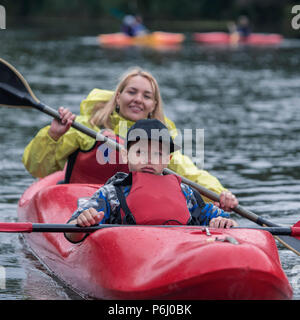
x: 145, y: 195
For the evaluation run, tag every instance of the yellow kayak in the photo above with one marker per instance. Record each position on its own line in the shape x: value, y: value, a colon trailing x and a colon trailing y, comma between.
x: 150, y: 39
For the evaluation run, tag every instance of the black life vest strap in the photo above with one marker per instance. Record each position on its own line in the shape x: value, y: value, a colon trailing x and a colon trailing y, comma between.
x: 70, y: 165
x: 197, y: 214
x: 199, y: 199
x: 129, y: 218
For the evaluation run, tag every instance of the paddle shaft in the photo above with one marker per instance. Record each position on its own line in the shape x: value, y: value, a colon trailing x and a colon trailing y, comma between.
x: 215, y: 197
x: 91, y: 133
x: 30, y: 100
x: 28, y: 227
x: 207, y: 193
x: 286, y: 239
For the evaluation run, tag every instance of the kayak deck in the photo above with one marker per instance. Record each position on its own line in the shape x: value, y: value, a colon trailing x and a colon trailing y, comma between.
x: 141, y: 262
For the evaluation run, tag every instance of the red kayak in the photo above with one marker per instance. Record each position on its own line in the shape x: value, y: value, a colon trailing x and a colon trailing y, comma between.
x: 148, y: 262
x: 225, y: 38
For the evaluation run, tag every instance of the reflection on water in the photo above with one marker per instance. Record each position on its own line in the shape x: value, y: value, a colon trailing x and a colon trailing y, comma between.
x: 39, y: 283
x: 246, y: 100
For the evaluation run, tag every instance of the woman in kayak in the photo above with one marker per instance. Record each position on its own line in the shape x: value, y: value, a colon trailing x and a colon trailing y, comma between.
x: 145, y: 196
x: 136, y: 97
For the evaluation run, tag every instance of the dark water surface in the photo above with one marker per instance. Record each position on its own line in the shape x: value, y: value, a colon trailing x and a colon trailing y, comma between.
x: 246, y: 99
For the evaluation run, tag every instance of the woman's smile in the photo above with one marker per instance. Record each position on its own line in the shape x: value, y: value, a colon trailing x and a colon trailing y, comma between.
x: 136, y: 109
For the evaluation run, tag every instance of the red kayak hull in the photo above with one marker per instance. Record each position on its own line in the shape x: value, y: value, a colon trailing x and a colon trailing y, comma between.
x: 224, y: 38
x: 151, y: 262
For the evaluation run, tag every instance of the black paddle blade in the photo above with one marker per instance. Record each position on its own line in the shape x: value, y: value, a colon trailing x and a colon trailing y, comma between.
x: 14, y: 89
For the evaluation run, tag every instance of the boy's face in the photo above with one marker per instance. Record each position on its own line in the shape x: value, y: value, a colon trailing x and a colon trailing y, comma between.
x: 147, y: 156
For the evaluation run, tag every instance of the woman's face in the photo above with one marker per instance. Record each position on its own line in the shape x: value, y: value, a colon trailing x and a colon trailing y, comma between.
x: 137, y: 99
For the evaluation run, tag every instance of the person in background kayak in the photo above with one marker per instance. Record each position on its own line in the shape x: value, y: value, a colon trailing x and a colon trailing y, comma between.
x: 243, y: 27
x: 145, y: 196
x: 239, y: 32
x: 139, y: 27
x: 136, y: 97
x: 132, y: 26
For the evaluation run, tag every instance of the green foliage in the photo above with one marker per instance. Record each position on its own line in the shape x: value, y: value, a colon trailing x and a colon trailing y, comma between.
x: 259, y: 11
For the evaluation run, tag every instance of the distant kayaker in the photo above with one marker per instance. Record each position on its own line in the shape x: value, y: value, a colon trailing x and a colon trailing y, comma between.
x: 136, y: 97
x: 133, y: 26
x: 239, y: 32
x: 139, y: 27
x: 243, y: 27
x: 145, y: 195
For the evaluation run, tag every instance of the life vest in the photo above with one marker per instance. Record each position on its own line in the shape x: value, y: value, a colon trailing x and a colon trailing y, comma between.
x: 96, y: 165
x: 154, y: 200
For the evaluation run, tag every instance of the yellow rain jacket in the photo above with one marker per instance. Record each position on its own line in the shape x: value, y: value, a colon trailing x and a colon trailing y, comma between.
x: 43, y: 155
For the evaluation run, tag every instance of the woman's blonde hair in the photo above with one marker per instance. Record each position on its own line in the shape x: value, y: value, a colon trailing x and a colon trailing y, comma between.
x: 102, y: 111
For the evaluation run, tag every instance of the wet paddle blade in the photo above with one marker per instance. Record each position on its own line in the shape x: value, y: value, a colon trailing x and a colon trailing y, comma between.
x: 16, y: 92
x: 14, y: 89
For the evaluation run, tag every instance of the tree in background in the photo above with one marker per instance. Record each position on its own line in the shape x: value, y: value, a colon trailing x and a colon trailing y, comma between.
x: 260, y: 12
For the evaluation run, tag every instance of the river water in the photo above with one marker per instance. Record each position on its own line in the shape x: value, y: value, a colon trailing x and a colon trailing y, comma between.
x: 246, y: 100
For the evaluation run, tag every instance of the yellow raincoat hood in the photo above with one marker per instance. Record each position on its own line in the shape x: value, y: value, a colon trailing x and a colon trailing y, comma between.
x: 96, y: 95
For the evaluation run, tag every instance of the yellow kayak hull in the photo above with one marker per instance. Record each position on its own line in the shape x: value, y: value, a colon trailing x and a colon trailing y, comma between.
x: 151, y: 39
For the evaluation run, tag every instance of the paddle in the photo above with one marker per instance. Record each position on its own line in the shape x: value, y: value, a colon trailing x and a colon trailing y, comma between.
x: 16, y: 92
x: 28, y: 227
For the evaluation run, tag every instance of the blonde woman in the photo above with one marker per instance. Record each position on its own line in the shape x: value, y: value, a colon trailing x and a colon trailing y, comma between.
x: 136, y: 97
